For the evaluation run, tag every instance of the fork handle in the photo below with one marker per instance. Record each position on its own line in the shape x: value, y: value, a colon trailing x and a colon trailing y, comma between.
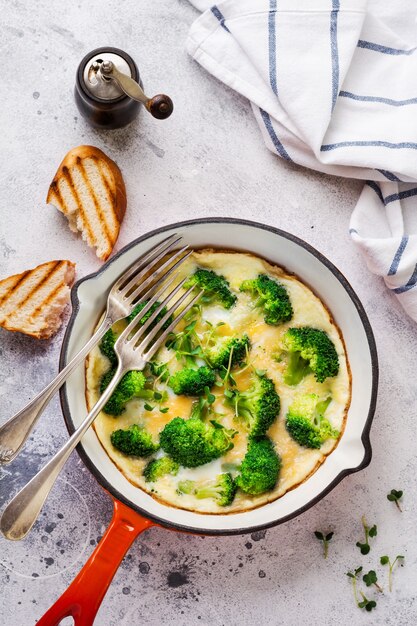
x: 22, y: 511
x: 17, y: 429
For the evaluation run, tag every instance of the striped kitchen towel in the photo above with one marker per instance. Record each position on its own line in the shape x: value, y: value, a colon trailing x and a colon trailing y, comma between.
x: 333, y: 88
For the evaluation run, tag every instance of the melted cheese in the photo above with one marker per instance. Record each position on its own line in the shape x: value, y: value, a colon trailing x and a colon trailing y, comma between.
x: 297, y: 462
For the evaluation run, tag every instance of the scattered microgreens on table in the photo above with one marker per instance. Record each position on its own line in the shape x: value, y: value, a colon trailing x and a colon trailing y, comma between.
x: 325, y: 538
x: 385, y: 560
x: 394, y: 496
x: 371, y: 578
x: 370, y: 531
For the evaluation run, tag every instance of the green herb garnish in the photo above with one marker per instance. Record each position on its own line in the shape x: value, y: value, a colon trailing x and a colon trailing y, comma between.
x: 395, y: 496
x: 325, y: 538
x: 369, y: 532
x: 366, y: 604
x: 371, y: 579
x: 354, y: 577
x: 385, y: 560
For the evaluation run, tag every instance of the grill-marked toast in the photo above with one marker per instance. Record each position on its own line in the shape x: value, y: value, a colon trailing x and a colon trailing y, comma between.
x: 89, y: 190
x: 32, y: 302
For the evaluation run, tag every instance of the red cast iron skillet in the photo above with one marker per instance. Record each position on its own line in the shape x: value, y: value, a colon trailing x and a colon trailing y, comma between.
x: 85, y: 594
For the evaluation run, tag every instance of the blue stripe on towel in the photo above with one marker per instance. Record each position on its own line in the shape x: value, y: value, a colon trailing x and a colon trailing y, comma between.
x: 277, y: 144
x: 272, y: 46
x: 273, y: 80
x: 383, y: 144
x: 219, y: 15
x: 394, y: 196
x: 334, y: 50
x: 373, y: 185
x: 389, y: 175
x: 411, y: 283
x: 390, y: 101
x: 401, y: 195
x: 384, y: 49
x: 397, y: 258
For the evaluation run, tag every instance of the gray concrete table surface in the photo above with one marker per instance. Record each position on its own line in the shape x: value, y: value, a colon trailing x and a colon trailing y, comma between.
x: 208, y: 159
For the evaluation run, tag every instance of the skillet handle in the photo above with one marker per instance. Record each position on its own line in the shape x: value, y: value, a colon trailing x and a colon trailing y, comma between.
x: 83, y: 597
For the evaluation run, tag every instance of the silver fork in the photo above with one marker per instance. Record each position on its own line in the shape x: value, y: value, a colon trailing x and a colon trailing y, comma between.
x: 122, y: 298
x: 134, y: 349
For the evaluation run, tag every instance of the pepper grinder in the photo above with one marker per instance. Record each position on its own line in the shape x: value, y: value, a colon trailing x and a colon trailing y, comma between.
x: 108, y: 90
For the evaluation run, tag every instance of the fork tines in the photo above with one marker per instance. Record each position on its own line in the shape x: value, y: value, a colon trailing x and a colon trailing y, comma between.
x: 150, y: 343
x: 133, y: 290
x: 148, y: 259
x: 130, y: 288
x: 150, y: 350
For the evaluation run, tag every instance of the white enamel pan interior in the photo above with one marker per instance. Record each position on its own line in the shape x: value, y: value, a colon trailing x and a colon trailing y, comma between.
x: 353, y: 451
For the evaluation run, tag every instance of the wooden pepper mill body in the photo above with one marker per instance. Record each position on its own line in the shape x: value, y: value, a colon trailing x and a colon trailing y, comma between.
x: 109, y: 91
x: 106, y: 113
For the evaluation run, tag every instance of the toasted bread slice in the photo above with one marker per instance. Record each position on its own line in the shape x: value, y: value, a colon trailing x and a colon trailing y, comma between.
x: 88, y: 188
x: 32, y: 302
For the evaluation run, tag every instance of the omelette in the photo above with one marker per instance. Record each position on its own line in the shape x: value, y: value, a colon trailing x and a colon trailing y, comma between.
x: 243, y: 318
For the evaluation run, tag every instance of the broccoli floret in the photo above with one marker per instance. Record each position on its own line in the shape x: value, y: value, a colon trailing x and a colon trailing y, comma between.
x: 107, y: 347
x: 157, y: 468
x: 306, y: 424
x: 228, y: 350
x: 192, y: 382
x: 130, y: 386
x: 192, y: 442
x: 310, y: 349
x: 222, y: 489
x: 216, y: 288
x: 133, y: 441
x: 260, y: 468
x: 258, y: 406
x: 270, y: 296
x: 138, y: 308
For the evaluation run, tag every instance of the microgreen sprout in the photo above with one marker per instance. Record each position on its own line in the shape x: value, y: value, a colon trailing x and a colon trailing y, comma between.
x: 371, y: 579
x: 195, y: 311
x: 370, y: 531
x: 160, y: 372
x: 227, y: 375
x: 394, y: 496
x: 209, y: 396
x: 385, y: 560
x: 218, y: 425
x: 186, y: 344
x: 160, y: 397
x: 354, y: 576
x: 325, y: 538
x: 366, y: 604
x: 203, y: 407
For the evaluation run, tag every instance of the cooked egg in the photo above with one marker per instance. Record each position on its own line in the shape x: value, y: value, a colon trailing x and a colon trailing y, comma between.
x: 298, y: 463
